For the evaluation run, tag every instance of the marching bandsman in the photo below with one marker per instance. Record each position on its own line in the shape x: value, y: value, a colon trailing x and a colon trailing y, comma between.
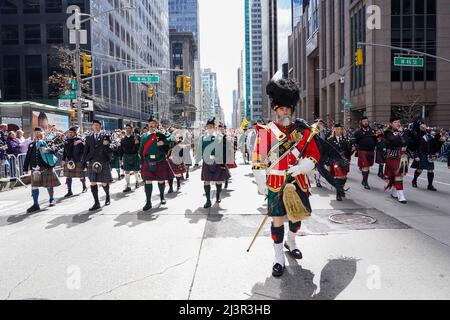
x: 380, y: 152
x: 278, y: 152
x: 116, y: 158
x: 338, y: 169
x: 129, y: 149
x: 214, y: 169
x: 41, y: 160
x: 396, y: 159
x: 72, y: 156
x: 153, y: 157
x: 96, y: 158
x: 229, y: 151
x: 365, y: 143
x: 177, y: 165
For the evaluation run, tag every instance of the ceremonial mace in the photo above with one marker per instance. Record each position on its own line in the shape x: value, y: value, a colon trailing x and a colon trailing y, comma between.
x: 314, y: 131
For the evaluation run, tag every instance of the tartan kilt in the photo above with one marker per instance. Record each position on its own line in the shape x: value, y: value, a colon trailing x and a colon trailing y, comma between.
x: 76, y: 173
x: 177, y: 168
x: 232, y: 165
x: 366, y: 158
x: 380, y: 157
x: 276, y: 206
x: 162, y: 173
x: 338, y: 171
x: 102, y: 177
x: 131, y: 162
x: 49, y: 179
x: 423, y: 164
x: 115, y: 162
x: 214, y: 172
x: 391, y: 167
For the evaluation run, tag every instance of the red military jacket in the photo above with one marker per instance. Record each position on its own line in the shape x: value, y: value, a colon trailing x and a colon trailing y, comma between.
x: 267, y: 137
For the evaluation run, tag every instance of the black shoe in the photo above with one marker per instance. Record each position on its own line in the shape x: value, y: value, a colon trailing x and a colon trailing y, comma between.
x: 403, y: 202
x: 95, y: 207
x: 163, y: 201
x: 85, y: 189
x: 366, y: 185
x: 277, y: 270
x: 69, y: 194
x: 148, y: 206
x: 432, y: 188
x: 318, y: 185
x: 170, y: 191
x: 137, y: 185
x: 108, y: 201
x: 414, y: 184
x: 339, y: 197
x: 128, y: 189
x: 34, y: 208
x: 297, y: 254
x: 207, y: 205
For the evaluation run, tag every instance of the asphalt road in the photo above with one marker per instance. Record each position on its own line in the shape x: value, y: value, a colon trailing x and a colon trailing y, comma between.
x: 182, y: 251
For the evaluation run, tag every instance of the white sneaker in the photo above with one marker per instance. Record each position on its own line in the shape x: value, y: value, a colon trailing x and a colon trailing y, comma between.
x: 394, y: 193
x: 401, y: 197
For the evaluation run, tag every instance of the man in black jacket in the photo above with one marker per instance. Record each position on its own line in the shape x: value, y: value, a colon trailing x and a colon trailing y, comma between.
x: 41, y: 160
x: 366, y: 141
x: 96, y: 157
x: 72, y: 156
x: 129, y: 148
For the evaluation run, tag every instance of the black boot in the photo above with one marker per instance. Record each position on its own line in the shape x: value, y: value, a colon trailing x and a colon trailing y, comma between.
x: 96, y: 206
x: 34, y: 208
x: 277, y: 270
x: 226, y: 184
x: 381, y: 171
x: 365, y: 182
x: 178, y: 183
x: 416, y: 176
x: 218, y: 191
x: 108, y: 198
x: 170, y: 186
x: 208, y: 203
x: 161, y: 187
x: 430, y: 181
x: 148, y: 196
x: 69, y: 194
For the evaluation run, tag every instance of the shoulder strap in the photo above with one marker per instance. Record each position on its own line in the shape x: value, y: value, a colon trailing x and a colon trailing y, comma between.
x: 148, y: 144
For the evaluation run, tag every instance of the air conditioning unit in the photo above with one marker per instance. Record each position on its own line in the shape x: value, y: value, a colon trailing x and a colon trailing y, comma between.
x: 342, y: 80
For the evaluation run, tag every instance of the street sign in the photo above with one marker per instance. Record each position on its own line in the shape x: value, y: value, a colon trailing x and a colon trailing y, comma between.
x: 136, y: 78
x: 349, y: 105
x: 64, y: 104
x: 408, y: 62
x: 70, y: 95
x: 74, y: 84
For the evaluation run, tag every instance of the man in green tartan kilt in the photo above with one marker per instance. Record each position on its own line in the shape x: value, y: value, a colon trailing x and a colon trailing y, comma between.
x: 153, y: 157
x: 41, y: 160
x: 115, y: 161
x: 129, y: 148
x: 73, y: 152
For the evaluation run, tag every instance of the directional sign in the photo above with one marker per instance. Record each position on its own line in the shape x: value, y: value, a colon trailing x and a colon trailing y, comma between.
x: 408, y: 62
x: 152, y: 78
x: 349, y: 105
x: 70, y: 95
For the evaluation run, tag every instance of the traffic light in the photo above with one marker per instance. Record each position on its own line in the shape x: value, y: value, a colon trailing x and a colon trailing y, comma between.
x: 359, y: 57
x: 73, y: 112
x: 179, y: 82
x: 187, y: 84
x: 87, y: 64
x: 150, y: 92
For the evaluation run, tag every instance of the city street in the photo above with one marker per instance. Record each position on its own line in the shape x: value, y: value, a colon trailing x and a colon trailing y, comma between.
x: 182, y: 251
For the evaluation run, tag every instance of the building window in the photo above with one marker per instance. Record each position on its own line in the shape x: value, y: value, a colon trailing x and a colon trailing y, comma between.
x: 341, y: 33
x: 10, y: 34
x: 55, y: 33
x: 358, y: 34
x: 53, y: 6
x: 31, y: 6
x: 414, y: 26
x: 8, y: 6
x: 11, y: 77
x: 32, y: 33
x: 33, y: 76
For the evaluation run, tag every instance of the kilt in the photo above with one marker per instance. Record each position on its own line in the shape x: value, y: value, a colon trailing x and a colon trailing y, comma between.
x: 380, y: 157
x: 338, y: 171
x: 232, y: 165
x: 49, y: 179
x: 76, y: 173
x: 102, y: 177
x: 214, y: 172
x: 366, y: 158
x: 276, y: 207
x: 115, y: 162
x: 131, y: 162
x: 177, y: 168
x: 423, y: 164
x: 162, y: 173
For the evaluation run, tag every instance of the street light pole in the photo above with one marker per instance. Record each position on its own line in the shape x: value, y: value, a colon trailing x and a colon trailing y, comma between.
x: 77, y: 69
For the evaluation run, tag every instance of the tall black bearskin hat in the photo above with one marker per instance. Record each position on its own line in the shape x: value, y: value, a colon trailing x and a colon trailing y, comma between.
x: 283, y: 93
x: 211, y: 121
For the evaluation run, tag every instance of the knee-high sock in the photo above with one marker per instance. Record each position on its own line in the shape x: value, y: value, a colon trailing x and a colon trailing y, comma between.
x: 94, y: 190
x: 106, y: 189
x: 51, y: 193
x: 218, y: 191
x: 417, y: 175
x: 295, y: 227
x: 148, y: 192
x: 380, y: 169
x: 171, y: 183
x: 162, y: 187
x: 127, y: 179
x: 277, y: 234
x: 178, y: 182
x: 35, y: 195
x: 83, y: 182
x: 398, y: 185
x: 365, y: 175
x: 430, y: 178
x: 208, y: 192
x: 69, y: 184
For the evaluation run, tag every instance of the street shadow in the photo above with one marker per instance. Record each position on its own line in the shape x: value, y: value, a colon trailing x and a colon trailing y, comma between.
x: 249, y: 175
x: 134, y: 219
x: 197, y: 215
x: 298, y: 283
x: 71, y: 221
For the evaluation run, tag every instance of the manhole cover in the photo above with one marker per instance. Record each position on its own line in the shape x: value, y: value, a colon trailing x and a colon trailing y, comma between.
x: 352, y: 219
